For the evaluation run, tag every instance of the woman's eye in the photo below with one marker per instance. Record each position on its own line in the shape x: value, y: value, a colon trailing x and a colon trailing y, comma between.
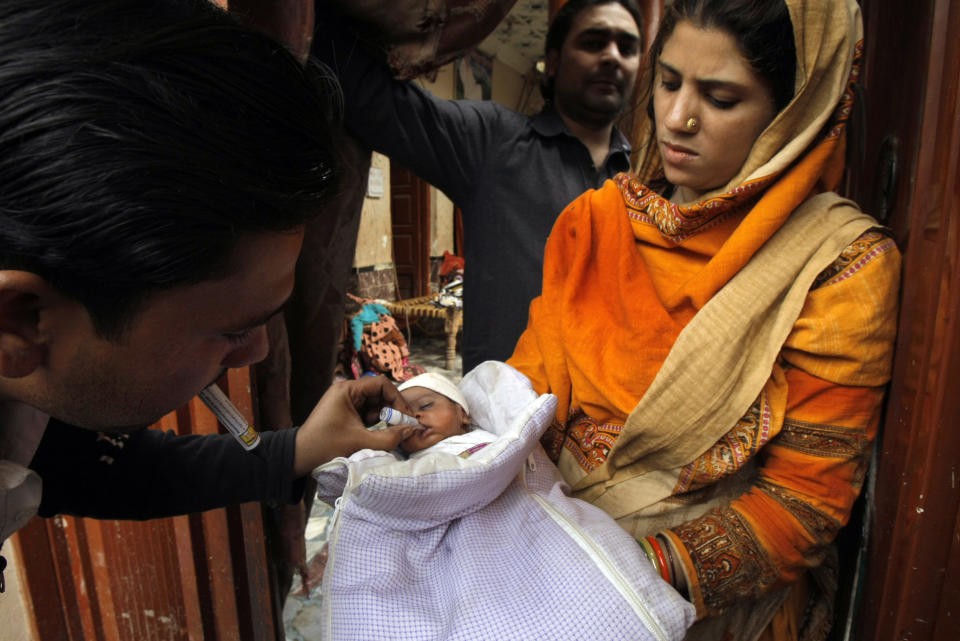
x: 722, y: 104
x: 239, y: 338
x: 669, y: 85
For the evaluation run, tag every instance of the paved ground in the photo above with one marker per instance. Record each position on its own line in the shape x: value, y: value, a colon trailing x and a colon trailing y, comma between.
x: 429, y: 351
x: 302, y: 614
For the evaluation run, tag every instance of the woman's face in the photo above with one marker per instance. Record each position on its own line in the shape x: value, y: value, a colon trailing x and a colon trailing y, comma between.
x: 702, y: 75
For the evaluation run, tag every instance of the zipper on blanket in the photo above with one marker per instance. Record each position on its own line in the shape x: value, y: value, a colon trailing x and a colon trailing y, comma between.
x: 609, y: 570
x: 331, y: 544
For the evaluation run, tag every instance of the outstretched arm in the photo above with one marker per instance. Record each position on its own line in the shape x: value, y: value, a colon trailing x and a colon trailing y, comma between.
x: 150, y: 473
x: 445, y: 142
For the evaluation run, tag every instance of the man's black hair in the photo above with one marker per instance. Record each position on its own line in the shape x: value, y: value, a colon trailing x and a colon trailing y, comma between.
x: 563, y: 21
x: 140, y: 139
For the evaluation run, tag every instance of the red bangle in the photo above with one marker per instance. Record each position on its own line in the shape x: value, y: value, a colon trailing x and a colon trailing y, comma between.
x: 664, y: 569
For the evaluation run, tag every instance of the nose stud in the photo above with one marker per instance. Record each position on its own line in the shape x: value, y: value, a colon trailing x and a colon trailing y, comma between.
x: 692, y: 124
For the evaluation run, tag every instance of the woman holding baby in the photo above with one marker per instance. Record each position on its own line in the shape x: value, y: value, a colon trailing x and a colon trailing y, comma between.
x: 719, y: 327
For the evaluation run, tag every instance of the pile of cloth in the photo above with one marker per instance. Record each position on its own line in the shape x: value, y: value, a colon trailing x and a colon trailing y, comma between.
x: 451, y: 282
x: 376, y: 343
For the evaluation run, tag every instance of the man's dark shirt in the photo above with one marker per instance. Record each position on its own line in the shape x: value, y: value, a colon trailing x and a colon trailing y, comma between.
x: 150, y: 474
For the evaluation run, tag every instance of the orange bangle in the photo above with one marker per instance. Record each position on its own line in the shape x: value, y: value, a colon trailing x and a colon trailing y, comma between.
x: 664, y: 569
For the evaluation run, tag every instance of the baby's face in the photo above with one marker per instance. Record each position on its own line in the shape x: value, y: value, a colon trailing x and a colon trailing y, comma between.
x: 440, y: 417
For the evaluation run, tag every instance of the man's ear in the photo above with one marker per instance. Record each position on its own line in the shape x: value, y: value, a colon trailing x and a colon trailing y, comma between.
x: 22, y: 347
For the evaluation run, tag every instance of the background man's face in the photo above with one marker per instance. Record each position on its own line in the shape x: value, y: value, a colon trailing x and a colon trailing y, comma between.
x: 596, y: 68
x: 180, y: 341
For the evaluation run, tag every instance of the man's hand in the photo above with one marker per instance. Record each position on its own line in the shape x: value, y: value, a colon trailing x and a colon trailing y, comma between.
x: 337, y: 425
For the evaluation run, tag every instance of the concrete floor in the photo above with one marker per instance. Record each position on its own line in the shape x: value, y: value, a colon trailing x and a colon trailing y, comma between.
x: 303, y: 613
x: 429, y: 351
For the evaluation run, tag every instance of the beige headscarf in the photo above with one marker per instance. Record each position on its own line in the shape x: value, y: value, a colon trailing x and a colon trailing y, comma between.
x: 827, y: 39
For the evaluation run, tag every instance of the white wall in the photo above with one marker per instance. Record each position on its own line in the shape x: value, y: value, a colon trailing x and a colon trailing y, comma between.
x: 374, y: 242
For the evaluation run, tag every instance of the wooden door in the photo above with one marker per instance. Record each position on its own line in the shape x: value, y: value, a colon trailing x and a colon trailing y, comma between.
x: 909, y: 172
x: 410, y: 223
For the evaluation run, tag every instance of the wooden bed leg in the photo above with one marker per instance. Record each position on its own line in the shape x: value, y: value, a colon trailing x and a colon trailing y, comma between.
x: 450, y: 326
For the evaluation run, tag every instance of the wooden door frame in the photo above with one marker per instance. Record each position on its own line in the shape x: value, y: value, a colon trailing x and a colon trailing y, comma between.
x: 421, y: 285
x: 912, y: 586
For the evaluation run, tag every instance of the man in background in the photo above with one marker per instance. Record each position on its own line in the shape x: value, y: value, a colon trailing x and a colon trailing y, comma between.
x: 510, y: 174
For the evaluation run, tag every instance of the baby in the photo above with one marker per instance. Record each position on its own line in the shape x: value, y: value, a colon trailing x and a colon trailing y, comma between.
x: 443, y: 412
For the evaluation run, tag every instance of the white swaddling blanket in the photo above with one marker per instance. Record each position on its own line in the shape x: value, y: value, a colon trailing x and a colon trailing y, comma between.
x: 484, y: 547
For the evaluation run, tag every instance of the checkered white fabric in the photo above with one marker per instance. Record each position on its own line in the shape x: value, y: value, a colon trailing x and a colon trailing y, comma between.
x: 464, y: 549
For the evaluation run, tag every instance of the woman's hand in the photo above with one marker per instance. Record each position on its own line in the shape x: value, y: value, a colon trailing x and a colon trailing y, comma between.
x: 337, y: 425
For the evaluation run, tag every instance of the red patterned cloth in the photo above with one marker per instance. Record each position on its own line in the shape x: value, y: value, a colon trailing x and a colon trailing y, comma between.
x: 384, y: 348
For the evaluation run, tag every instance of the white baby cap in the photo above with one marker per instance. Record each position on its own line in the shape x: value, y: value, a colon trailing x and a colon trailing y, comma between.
x: 438, y: 384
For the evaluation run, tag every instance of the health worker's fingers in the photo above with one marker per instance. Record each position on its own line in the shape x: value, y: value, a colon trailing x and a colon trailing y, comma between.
x: 388, y: 439
x: 372, y: 393
x: 336, y: 428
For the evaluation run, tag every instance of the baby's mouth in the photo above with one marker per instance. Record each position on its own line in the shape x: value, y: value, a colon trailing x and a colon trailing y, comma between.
x: 420, y: 431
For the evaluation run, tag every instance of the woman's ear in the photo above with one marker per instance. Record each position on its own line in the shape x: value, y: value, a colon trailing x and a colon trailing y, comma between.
x: 551, y: 62
x: 22, y: 347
